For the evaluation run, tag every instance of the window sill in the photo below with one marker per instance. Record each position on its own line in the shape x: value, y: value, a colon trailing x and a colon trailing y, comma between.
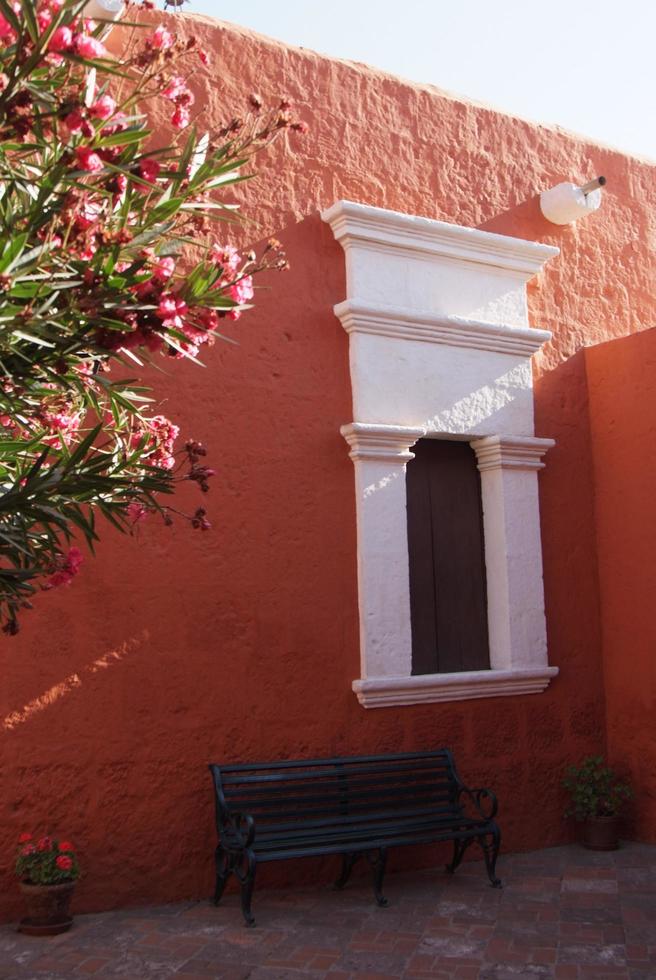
x: 381, y: 692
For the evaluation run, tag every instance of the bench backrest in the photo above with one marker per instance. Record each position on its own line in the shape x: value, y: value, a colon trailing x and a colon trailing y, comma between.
x: 350, y: 788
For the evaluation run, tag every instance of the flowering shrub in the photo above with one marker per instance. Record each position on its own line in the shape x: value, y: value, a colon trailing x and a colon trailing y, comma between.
x: 595, y: 790
x: 45, y: 861
x: 112, y: 252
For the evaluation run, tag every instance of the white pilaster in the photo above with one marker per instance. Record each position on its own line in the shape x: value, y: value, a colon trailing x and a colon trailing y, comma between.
x: 380, y: 454
x: 513, y: 550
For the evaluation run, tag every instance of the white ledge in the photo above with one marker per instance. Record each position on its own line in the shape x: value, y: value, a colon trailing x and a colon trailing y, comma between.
x: 385, y: 442
x: 381, y: 692
x: 434, y: 328
x: 517, y: 453
x: 391, y: 229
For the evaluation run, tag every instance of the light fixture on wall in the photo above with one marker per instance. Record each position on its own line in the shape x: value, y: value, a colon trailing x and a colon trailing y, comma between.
x: 566, y: 202
x: 104, y: 10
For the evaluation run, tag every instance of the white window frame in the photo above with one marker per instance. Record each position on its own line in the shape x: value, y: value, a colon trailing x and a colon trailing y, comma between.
x: 440, y: 347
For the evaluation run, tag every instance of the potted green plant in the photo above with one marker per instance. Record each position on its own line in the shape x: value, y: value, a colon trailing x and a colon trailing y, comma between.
x: 597, y: 796
x: 47, y: 870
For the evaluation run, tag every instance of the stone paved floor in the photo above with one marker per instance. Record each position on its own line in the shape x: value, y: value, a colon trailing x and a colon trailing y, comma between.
x: 564, y: 912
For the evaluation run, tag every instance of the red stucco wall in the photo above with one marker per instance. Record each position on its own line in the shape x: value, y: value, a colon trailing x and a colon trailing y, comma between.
x: 176, y: 648
x: 622, y: 378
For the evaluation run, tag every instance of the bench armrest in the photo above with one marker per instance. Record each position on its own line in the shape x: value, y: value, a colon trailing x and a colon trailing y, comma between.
x: 237, y: 830
x: 482, y: 800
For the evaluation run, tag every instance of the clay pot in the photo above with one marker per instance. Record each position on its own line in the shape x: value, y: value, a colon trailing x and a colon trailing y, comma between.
x: 48, y: 908
x: 601, y: 833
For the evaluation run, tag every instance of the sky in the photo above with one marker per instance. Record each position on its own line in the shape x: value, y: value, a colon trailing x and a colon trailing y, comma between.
x: 586, y: 65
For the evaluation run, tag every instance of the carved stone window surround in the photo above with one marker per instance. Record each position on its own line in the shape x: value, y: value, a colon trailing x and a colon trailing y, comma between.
x: 440, y: 346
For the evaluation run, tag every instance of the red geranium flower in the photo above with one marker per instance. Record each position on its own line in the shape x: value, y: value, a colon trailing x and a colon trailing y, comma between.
x: 64, y: 863
x: 24, y: 838
x: 66, y: 846
x: 44, y: 844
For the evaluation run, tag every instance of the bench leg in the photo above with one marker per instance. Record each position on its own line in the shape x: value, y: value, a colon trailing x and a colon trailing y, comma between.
x: 459, y: 848
x: 247, y: 881
x: 490, y: 844
x: 348, y: 862
x: 378, y: 862
x: 223, y: 872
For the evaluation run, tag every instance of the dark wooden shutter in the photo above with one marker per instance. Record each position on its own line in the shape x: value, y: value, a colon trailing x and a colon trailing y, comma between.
x: 448, y: 599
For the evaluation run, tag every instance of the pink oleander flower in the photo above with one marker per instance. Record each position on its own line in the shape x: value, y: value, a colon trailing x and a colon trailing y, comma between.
x: 103, y: 107
x: 175, y: 89
x: 74, y: 121
x: 160, y: 39
x: 171, y: 309
x: 87, y: 159
x: 180, y: 118
x: 163, y: 433
x: 226, y: 256
x: 149, y: 169
x: 242, y: 291
x: 61, y: 40
x: 89, y: 250
x: 89, y: 47
x: 63, y: 576
x: 44, y: 19
x: 7, y: 32
x: 63, y: 426
x: 209, y: 319
x: 164, y: 268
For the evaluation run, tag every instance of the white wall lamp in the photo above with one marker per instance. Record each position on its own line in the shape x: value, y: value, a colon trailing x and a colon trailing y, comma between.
x: 104, y: 10
x: 565, y: 202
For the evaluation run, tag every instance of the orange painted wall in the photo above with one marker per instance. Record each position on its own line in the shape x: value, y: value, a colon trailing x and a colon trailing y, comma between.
x: 176, y: 648
x: 622, y: 379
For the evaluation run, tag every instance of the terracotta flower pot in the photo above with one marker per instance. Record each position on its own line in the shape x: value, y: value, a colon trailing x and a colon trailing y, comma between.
x: 48, y: 908
x: 601, y: 833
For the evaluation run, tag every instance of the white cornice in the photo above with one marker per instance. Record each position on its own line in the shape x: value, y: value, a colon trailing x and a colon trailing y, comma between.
x: 385, y: 442
x: 381, y: 692
x: 359, y: 223
x: 519, y: 453
x: 433, y: 328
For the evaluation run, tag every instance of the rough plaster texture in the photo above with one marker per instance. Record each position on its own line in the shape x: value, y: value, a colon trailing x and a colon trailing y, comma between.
x: 623, y: 412
x: 173, y: 649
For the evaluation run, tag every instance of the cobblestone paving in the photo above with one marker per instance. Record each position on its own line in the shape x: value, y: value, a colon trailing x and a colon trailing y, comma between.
x: 563, y: 913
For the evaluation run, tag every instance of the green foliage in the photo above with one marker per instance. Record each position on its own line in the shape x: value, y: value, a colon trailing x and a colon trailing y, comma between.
x: 595, y: 790
x: 108, y: 257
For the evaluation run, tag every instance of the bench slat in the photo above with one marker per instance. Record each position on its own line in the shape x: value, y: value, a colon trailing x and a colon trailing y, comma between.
x: 282, y: 802
x: 330, y: 773
x: 337, y: 781
x: 346, y: 831
x: 373, y: 843
x: 345, y: 819
x: 353, y: 760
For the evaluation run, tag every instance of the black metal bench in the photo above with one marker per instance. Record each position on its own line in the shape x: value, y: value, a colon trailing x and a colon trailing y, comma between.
x: 353, y: 806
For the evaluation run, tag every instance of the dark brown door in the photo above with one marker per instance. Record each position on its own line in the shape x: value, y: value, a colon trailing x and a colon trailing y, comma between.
x: 447, y: 560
